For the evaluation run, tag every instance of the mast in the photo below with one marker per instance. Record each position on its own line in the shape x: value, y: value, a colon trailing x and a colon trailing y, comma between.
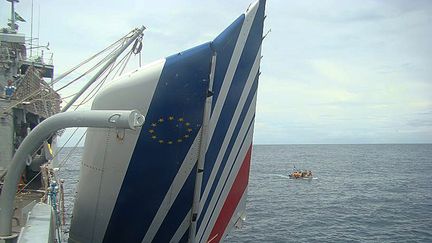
x: 31, y: 31
x: 137, y: 33
x: 12, y: 19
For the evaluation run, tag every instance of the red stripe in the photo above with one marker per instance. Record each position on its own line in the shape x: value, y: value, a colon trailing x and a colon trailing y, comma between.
x: 234, y: 196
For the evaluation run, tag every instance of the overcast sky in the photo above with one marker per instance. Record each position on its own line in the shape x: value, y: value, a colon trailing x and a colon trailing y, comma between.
x: 332, y: 72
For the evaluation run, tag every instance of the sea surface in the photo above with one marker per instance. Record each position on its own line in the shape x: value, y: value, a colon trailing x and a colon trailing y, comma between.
x: 360, y: 193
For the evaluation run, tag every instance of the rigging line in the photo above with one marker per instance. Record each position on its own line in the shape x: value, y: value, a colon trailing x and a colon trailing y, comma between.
x: 100, y: 84
x: 85, y: 73
x: 126, y: 62
x: 109, y: 55
x: 120, y: 63
x: 61, y: 164
x: 44, y: 97
x: 64, y: 145
x: 89, y: 70
x: 97, y: 88
x: 98, y: 73
x: 61, y: 76
x: 83, y: 63
x: 63, y: 98
x: 87, y: 98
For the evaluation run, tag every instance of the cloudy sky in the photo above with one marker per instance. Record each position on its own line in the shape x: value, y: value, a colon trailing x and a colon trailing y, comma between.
x: 332, y: 72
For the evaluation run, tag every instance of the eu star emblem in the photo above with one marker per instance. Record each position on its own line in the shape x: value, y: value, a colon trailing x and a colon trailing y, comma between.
x: 170, y: 130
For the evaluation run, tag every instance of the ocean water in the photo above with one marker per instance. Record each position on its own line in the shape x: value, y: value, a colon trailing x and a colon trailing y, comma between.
x: 361, y: 193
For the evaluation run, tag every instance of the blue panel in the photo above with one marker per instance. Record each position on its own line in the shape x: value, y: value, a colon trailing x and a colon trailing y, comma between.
x: 172, y: 122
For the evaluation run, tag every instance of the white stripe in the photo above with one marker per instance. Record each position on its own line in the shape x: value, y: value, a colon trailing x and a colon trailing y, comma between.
x: 232, y: 67
x: 240, y: 210
x: 209, y: 216
x: 228, y: 135
x: 177, y: 184
x: 182, y: 229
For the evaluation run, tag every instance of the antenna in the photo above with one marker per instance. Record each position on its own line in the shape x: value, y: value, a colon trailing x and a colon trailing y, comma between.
x: 13, y: 25
x: 31, y: 31
x: 38, y: 26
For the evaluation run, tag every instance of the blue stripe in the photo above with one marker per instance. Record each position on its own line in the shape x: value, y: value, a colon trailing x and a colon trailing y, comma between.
x: 232, y: 142
x: 178, y: 211
x: 180, y: 93
x: 224, y: 45
x: 244, y: 67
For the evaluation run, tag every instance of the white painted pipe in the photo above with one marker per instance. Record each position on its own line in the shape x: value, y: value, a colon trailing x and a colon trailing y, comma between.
x: 94, y: 118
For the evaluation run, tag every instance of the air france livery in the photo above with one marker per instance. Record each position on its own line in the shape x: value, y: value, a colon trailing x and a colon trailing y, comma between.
x: 182, y: 176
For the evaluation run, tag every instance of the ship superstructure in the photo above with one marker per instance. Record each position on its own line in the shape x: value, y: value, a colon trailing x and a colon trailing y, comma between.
x: 26, y: 99
x: 31, y: 99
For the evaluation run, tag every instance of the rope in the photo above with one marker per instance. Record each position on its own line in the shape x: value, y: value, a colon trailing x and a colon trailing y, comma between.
x: 89, y: 71
x: 88, y: 59
x: 72, y: 95
x: 126, y: 62
x: 123, y: 62
x: 63, y: 162
x: 97, y: 88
